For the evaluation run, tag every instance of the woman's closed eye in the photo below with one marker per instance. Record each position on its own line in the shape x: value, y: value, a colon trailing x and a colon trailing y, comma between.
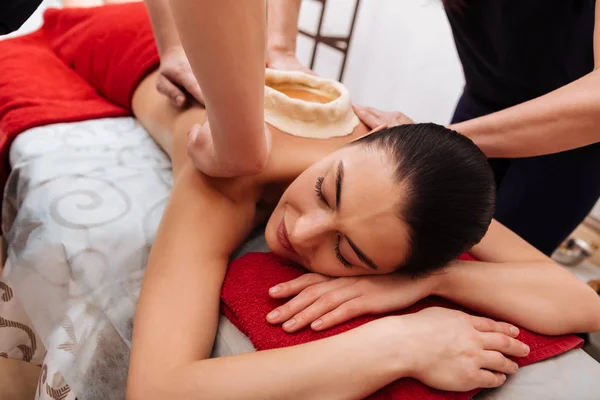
x: 319, y: 190
x: 338, y: 253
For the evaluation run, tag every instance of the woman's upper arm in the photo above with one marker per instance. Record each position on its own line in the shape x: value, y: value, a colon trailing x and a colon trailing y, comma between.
x: 500, y: 245
x: 178, y: 308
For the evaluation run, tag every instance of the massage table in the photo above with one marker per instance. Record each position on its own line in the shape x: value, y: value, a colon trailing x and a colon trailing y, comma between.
x: 80, y: 211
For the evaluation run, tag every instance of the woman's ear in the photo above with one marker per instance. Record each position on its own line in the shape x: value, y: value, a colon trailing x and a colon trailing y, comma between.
x: 377, y: 129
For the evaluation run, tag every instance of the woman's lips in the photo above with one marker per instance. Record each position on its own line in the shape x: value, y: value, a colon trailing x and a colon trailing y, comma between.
x: 284, y: 239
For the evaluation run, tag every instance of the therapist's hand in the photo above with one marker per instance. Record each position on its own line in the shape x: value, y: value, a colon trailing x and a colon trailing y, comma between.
x: 286, y: 61
x: 204, y: 156
x: 373, y: 117
x: 176, y: 79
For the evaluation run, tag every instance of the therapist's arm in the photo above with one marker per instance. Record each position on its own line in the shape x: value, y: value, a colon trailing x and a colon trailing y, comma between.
x: 564, y: 119
x: 163, y: 25
x: 225, y: 44
x: 176, y: 79
x: 282, y: 32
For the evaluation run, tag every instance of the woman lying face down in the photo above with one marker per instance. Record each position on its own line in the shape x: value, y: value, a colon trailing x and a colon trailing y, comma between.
x: 409, y: 198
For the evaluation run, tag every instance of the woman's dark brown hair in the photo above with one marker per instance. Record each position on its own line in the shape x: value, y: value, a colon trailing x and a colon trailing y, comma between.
x: 450, y: 196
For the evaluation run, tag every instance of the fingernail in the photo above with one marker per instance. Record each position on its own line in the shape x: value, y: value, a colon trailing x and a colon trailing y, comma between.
x: 275, y: 289
x: 273, y: 314
x: 316, y: 324
x: 514, y: 331
x: 526, y: 348
x: 179, y: 99
x: 503, y: 378
x: 289, y: 324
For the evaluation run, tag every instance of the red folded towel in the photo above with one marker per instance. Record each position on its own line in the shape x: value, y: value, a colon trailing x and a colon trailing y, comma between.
x: 82, y: 64
x: 112, y: 46
x: 245, y: 301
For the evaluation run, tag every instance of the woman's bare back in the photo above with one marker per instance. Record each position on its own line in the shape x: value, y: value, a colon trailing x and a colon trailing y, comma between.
x: 290, y: 155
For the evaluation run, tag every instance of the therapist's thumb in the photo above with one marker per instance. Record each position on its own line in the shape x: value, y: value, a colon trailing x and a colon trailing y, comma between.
x: 199, y: 137
x: 200, y: 146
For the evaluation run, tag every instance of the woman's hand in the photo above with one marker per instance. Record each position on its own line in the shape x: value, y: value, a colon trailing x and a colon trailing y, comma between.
x: 373, y: 117
x: 176, y: 79
x: 451, y: 350
x: 324, y: 302
x: 286, y: 61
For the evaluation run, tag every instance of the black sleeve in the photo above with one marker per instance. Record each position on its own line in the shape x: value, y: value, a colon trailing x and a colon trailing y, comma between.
x: 13, y: 13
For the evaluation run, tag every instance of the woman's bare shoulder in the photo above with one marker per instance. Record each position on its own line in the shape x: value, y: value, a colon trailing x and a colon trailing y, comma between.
x: 291, y: 155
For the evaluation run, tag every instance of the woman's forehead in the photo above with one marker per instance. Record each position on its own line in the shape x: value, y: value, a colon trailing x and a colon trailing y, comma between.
x: 370, y: 201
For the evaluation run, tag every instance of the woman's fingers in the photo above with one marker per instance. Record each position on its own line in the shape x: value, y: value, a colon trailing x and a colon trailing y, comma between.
x: 504, y: 344
x: 489, y: 379
x: 350, y: 309
x: 295, y: 286
x: 331, y: 300
x: 496, y: 361
x: 304, y: 299
x: 489, y: 325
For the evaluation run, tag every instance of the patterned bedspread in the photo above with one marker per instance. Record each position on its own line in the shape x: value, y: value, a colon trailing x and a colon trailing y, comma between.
x: 81, y: 208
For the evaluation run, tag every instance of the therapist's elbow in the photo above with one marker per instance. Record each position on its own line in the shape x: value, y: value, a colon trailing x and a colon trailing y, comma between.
x: 249, y: 163
x: 254, y: 165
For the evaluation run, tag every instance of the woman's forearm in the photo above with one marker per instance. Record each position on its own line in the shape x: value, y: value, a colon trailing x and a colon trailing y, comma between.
x: 225, y: 44
x: 539, y: 296
x: 562, y: 120
x: 347, y: 366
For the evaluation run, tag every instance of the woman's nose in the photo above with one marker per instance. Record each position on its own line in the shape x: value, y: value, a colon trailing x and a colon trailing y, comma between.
x: 309, y: 230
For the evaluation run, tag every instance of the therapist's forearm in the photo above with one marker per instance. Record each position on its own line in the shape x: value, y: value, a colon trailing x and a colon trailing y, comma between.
x: 282, y: 25
x: 225, y: 44
x: 163, y: 25
x: 564, y: 119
